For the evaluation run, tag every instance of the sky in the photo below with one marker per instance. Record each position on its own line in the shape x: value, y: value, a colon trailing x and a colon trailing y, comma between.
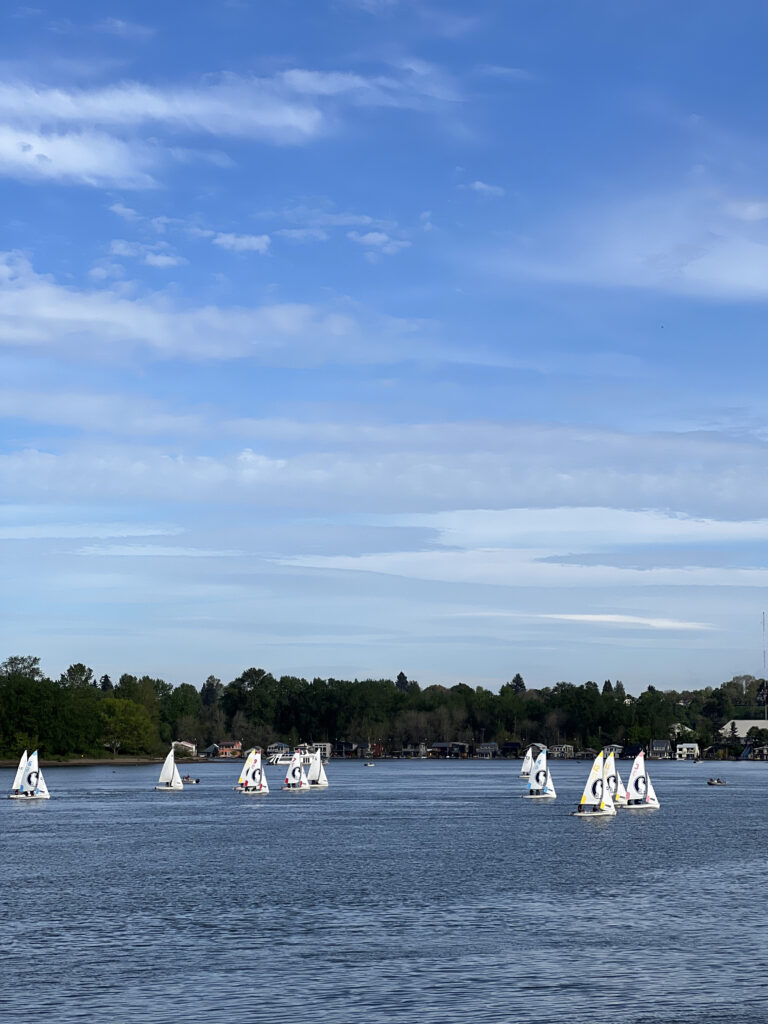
x: 350, y: 337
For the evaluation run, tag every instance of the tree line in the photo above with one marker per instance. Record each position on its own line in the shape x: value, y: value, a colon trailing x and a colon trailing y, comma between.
x: 80, y: 714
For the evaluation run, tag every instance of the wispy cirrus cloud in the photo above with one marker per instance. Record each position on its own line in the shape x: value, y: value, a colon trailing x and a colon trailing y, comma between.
x: 124, y: 29
x: 694, y: 242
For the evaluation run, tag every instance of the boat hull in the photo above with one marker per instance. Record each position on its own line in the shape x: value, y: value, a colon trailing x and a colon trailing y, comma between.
x: 251, y: 791
x: 641, y: 807
x: 593, y: 814
x: 538, y: 796
x: 29, y: 796
x: 168, y: 789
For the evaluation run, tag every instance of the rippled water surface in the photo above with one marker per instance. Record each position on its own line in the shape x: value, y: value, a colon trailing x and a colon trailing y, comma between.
x: 413, y: 892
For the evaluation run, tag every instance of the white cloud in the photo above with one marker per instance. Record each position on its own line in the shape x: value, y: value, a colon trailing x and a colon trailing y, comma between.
x: 124, y: 29
x: 242, y: 243
x: 158, y: 255
x: 691, y: 242
x: 379, y: 241
x: 503, y: 71
x: 303, y: 234
x: 76, y: 531
x: 293, y: 106
x: 163, y: 260
x: 491, y: 191
x: 84, y: 158
x: 120, y: 210
x: 632, y: 620
x: 35, y: 311
x: 153, y: 551
x: 749, y: 211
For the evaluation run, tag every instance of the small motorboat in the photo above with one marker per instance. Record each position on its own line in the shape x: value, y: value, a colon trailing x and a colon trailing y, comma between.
x: 369, y: 764
x: 716, y: 782
x: 189, y: 781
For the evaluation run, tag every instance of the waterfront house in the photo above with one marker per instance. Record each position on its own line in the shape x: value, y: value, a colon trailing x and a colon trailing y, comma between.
x: 184, y: 748
x: 277, y: 748
x: 511, y: 748
x: 487, y: 750
x: 687, y: 752
x: 587, y: 754
x: 613, y: 748
x: 231, y: 748
x: 660, y: 750
x: 560, y: 751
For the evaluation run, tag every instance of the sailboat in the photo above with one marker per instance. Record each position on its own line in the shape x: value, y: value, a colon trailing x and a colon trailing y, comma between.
x: 615, y: 785
x: 169, y: 775
x: 316, y: 773
x: 295, y: 777
x: 28, y: 783
x: 540, y: 786
x: 525, y: 771
x: 641, y: 795
x: 19, y: 774
x: 596, y: 800
x: 253, y: 778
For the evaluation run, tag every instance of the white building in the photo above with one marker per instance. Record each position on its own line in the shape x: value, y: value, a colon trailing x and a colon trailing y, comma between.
x: 185, y: 748
x: 687, y: 752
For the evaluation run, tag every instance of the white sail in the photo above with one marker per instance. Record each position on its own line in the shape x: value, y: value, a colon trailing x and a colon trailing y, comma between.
x: 525, y: 771
x: 615, y: 785
x: 316, y: 773
x: 295, y: 777
x: 169, y: 775
x: 640, y: 792
x: 540, y: 780
x: 31, y: 784
x: 593, y: 790
x: 246, y: 768
x: 256, y: 780
x: 19, y: 772
x: 607, y: 804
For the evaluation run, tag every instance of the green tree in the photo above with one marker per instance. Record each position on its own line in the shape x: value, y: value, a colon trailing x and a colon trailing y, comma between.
x: 126, y: 726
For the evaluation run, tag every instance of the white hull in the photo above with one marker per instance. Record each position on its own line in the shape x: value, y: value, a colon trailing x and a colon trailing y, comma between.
x: 318, y: 785
x: 29, y: 796
x: 251, y: 791
x: 296, y: 789
x: 168, y: 789
x: 593, y: 814
x: 641, y: 807
x: 524, y: 775
x: 538, y: 796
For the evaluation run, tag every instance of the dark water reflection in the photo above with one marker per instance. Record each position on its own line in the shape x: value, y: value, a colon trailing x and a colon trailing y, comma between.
x: 412, y: 892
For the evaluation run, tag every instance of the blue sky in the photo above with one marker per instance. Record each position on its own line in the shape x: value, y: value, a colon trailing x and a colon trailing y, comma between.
x: 342, y: 337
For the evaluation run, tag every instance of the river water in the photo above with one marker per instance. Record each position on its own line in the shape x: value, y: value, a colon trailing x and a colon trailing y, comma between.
x: 413, y: 892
